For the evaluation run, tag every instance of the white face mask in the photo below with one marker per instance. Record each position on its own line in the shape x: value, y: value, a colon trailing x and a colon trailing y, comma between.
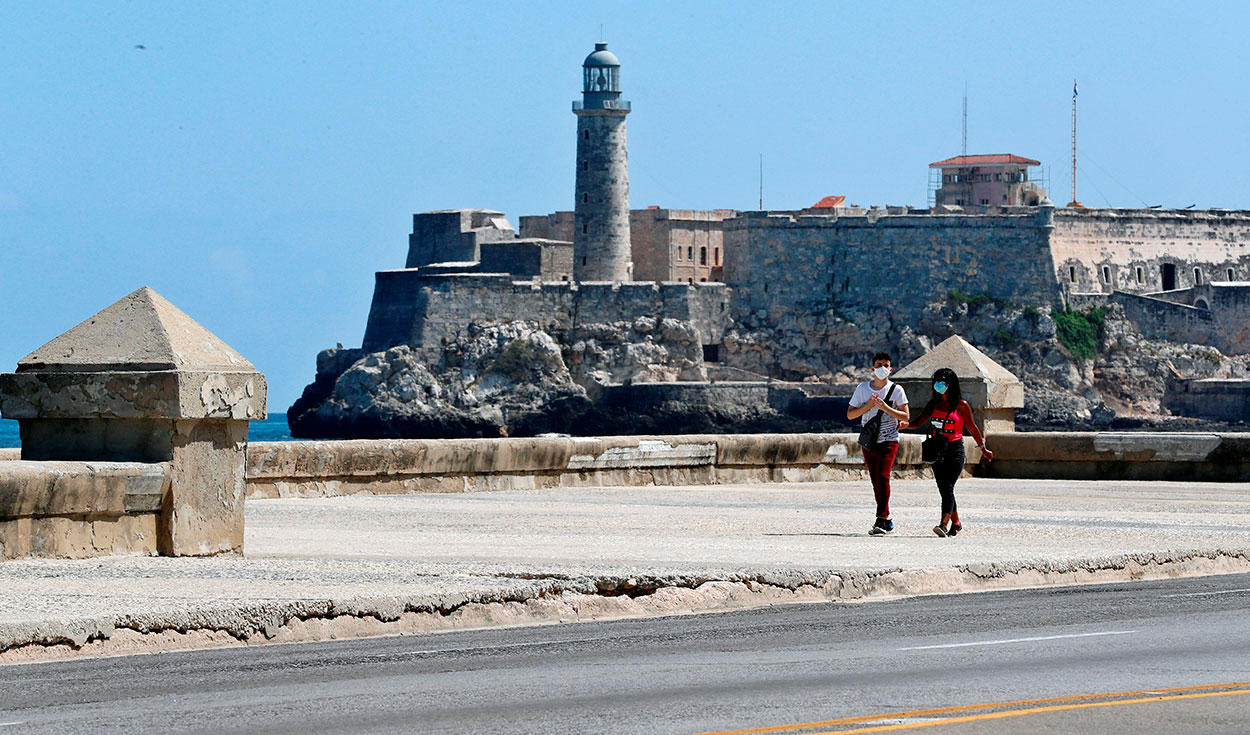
x: 881, y: 373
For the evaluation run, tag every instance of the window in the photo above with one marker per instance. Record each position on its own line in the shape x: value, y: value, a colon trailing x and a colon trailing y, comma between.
x: 585, y: 197
x: 689, y: 253
x: 585, y: 135
x: 584, y: 228
x: 702, y: 256
x: 1168, y: 271
x: 1197, y: 276
x: 1141, y: 277
x: 1072, y: 273
x: 585, y: 165
x: 765, y: 288
x: 703, y: 280
x: 583, y: 260
x: 985, y: 202
x: 717, y: 251
x: 1230, y: 274
x: 1106, y: 274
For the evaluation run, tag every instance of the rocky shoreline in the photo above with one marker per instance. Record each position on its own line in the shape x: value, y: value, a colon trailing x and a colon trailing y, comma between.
x: 648, y: 376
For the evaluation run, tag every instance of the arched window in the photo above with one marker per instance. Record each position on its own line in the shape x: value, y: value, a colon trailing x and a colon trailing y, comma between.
x: 1141, y: 277
x: 717, y: 251
x: 1106, y: 274
x: 702, y: 256
x: 585, y: 198
x: 1230, y: 274
x: 1197, y: 276
x: 689, y: 253
x: 1072, y: 273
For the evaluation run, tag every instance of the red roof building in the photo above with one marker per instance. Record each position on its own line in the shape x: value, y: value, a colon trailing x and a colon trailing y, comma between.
x: 993, y: 180
x: 829, y: 202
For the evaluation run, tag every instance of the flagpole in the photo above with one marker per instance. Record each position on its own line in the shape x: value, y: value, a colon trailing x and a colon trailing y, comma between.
x: 1075, y: 202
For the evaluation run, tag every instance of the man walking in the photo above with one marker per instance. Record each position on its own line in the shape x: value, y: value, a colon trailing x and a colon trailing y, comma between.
x: 872, y: 398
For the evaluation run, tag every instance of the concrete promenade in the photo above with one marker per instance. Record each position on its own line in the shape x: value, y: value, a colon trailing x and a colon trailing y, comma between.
x: 375, y: 565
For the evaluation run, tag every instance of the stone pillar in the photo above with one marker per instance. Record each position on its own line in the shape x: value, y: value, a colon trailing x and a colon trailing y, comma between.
x: 991, y: 389
x: 143, y: 382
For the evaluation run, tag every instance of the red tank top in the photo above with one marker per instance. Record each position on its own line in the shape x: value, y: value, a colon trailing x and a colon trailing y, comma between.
x: 949, y: 425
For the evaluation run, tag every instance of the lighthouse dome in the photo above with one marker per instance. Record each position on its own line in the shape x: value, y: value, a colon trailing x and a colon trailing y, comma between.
x: 601, y: 56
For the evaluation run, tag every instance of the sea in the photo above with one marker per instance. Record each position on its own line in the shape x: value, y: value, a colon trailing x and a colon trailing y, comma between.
x: 271, y: 429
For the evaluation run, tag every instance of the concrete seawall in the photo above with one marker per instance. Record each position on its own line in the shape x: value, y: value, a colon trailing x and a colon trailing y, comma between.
x: 398, y: 466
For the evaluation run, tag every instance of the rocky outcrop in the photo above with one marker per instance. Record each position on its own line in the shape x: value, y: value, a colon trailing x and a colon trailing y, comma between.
x: 498, y: 380
x: 516, y: 379
x: 648, y: 375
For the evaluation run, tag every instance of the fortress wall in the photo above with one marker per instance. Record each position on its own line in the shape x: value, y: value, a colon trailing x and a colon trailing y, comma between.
x: 1124, y: 240
x: 1216, y: 400
x: 411, y: 308
x: 785, y: 265
x: 1159, y: 319
x: 397, y: 307
x: 650, y: 236
x: 398, y: 466
x: 527, y: 258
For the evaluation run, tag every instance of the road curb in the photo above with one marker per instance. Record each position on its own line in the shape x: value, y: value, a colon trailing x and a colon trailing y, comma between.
x: 503, y: 602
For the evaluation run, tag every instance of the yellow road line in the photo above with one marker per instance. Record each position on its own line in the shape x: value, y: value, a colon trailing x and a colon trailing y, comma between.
x: 972, y: 707
x: 1031, y: 711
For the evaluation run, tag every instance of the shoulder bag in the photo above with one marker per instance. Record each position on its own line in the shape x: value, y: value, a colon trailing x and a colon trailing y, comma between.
x: 872, y: 427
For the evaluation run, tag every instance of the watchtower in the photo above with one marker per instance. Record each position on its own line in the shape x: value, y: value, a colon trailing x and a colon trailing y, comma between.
x: 601, y: 209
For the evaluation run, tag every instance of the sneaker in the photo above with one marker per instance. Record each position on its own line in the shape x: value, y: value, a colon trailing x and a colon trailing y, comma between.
x: 881, y: 527
x: 955, y: 528
x: 940, y: 531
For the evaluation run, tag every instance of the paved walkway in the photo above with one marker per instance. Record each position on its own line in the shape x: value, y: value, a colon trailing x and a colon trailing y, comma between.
x: 382, y: 556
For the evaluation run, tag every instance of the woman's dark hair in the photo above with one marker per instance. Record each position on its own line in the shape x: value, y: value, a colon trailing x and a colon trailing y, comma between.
x: 953, y: 394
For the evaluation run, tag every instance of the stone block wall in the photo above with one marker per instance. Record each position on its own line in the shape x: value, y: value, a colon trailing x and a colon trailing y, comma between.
x: 665, y: 244
x: 395, y: 466
x: 1215, y: 400
x: 782, y: 265
x: 1129, y: 250
x: 77, y: 510
x: 1159, y: 319
x: 454, y: 236
x: 411, y: 308
x: 547, y: 260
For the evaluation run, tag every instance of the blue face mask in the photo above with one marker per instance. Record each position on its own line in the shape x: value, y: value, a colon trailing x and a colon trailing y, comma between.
x: 940, y: 387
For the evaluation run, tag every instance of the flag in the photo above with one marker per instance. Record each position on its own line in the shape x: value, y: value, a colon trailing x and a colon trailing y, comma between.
x: 1074, y: 89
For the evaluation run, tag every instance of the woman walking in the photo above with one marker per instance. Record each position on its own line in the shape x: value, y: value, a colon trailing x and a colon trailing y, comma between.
x: 951, y: 416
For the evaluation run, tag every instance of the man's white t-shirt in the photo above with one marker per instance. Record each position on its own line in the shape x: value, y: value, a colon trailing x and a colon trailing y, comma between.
x: 889, y: 425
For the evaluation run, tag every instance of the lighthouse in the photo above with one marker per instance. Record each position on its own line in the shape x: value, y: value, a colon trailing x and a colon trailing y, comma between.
x: 601, y: 210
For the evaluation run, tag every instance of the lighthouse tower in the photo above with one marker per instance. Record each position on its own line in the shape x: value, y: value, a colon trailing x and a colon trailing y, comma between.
x: 601, y: 210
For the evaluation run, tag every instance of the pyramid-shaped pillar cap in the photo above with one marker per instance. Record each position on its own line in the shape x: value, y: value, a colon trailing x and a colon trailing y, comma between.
x: 141, y: 357
x: 141, y: 331
x: 1002, y: 388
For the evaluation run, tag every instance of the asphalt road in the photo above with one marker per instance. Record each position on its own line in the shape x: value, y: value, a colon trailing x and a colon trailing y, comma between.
x: 1105, y: 653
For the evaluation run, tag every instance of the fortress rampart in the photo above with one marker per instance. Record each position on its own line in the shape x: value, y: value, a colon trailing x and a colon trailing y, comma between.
x: 1144, y: 250
x: 807, y: 263
x: 412, y: 308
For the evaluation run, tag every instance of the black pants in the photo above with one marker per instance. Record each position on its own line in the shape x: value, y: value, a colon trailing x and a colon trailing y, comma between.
x: 946, y: 471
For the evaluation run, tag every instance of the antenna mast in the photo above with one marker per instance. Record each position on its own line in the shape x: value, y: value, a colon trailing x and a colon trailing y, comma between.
x: 761, y: 182
x: 964, y: 150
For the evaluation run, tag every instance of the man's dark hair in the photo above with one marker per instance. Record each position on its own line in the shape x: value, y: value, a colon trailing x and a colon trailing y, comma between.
x: 882, y: 356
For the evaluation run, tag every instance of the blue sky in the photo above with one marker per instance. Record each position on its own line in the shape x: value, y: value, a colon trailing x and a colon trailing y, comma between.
x: 256, y: 162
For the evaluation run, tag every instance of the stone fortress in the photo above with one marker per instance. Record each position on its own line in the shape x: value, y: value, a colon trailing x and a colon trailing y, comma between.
x: 614, y: 303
